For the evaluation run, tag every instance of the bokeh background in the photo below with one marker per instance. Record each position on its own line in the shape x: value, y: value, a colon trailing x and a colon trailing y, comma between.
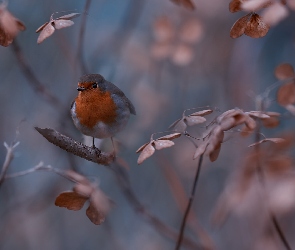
x: 166, y: 59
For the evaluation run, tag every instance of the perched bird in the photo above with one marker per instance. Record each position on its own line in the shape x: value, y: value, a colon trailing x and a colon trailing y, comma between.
x: 101, y: 109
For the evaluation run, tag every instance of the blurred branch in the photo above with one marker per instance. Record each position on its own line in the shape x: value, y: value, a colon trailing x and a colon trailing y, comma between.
x: 261, y: 178
x: 81, y: 38
x: 190, y: 202
x: 180, y: 196
x: 31, y: 77
x: 40, y: 166
x: 8, y: 159
x: 124, y: 183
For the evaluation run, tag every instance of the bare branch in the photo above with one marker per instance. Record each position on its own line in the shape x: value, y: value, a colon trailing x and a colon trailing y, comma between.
x: 77, y: 148
x: 8, y: 159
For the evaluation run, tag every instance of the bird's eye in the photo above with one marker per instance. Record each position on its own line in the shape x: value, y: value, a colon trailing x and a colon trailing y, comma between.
x: 94, y: 85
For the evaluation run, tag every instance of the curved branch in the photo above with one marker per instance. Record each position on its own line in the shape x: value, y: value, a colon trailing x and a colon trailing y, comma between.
x: 77, y: 148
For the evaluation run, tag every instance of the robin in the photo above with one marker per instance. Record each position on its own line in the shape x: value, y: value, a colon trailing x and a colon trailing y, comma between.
x: 101, y: 109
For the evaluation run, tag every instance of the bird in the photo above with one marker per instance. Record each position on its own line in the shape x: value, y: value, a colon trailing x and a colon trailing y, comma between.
x: 101, y: 109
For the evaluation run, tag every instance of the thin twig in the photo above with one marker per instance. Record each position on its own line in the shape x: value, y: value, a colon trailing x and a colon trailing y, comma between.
x: 262, y: 181
x: 8, y: 159
x: 38, y: 167
x: 190, y: 202
x: 124, y: 183
x: 37, y: 85
x: 81, y: 38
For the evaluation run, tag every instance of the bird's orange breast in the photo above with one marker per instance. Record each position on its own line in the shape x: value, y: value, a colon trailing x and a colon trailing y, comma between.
x: 95, y: 106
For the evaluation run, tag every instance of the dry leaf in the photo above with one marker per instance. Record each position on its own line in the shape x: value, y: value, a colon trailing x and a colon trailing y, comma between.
x: 202, y: 113
x: 201, y: 149
x: 194, y: 120
x: 258, y: 114
x: 286, y: 94
x: 239, y: 26
x: 9, y: 26
x: 163, y: 30
x: 274, y: 14
x: 185, y: 3
x: 48, y: 28
x: 235, y: 6
x: 147, y: 152
x: 170, y: 136
x: 284, y: 71
x: 179, y: 125
x: 182, y: 55
x: 160, y: 144
x: 94, y: 215
x: 142, y: 147
x: 275, y: 140
x: 191, y: 31
x: 256, y: 27
x: 71, y: 200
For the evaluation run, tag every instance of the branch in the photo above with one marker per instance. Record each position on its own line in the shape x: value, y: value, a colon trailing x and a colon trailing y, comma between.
x: 81, y: 38
x: 8, y: 159
x: 190, y: 202
x: 77, y: 148
x: 141, y: 210
x: 31, y: 77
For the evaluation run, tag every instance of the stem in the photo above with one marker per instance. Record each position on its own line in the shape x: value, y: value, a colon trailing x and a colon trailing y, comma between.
x: 262, y: 181
x: 190, y: 202
x: 8, y: 159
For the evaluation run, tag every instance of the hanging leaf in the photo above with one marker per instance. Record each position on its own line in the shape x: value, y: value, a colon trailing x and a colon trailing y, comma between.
x: 71, y: 200
x: 160, y: 144
x: 256, y: 27
x: 286, y: 94
x: 48, y: 28
x: 235, y: 6
x: 9, y: 26
x: 239, y: 26
x: 284, y: 71
x: 147, y: 152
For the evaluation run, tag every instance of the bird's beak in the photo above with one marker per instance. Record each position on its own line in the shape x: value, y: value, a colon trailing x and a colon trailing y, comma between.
x: 80, y: 88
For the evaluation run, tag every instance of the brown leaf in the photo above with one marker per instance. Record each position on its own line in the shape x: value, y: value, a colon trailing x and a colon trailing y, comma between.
x: 185, y: 3
x: 147, y: 152
x: 163, y: 30
x: 202, y: 112
x: 201, y: 149
x: 48, y: 28
x: 194, y: 120
x: 239, y: 26
x: 94, y: 215
x: 286, y: 94
x: 70, y: 200
x: 275, y: 140
x: 142, y: 147
x: 179, y: 125
x: 192, y: 31
x: 257, y: 114
x: 9, y: 26
x: 284, y: 71
x: 182, y: 55
x: 213, y: 155
x: 256, y: 27
x: 235, y: 6
x: 170, y: 136
x: 160, y: 144
x: 272, y: 122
